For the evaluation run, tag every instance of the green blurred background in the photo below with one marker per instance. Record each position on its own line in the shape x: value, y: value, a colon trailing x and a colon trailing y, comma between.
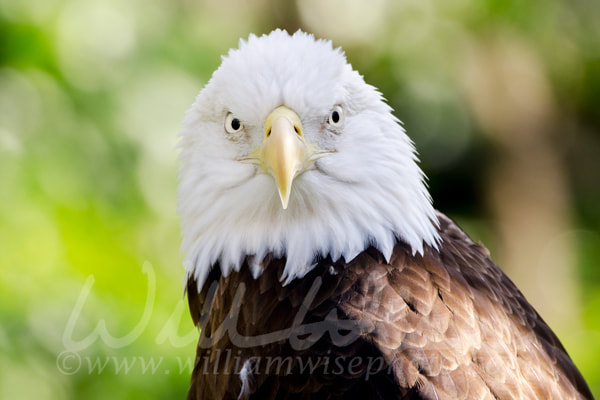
x: 501, y: 98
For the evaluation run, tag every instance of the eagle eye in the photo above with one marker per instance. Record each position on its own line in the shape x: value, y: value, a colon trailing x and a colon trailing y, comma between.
x: 336, y: 117
x: 233, y: 124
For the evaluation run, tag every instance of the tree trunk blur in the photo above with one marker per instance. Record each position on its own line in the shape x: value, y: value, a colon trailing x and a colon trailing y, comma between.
x: 526, y: 185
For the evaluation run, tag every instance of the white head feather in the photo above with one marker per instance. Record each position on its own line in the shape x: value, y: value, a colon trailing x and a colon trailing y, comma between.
x: 368, y: 191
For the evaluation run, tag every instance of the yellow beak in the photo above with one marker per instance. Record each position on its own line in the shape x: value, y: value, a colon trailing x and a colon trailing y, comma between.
x: 284, y: 152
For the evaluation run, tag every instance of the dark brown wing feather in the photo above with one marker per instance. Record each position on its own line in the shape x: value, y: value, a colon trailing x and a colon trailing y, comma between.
x: 446, y: 325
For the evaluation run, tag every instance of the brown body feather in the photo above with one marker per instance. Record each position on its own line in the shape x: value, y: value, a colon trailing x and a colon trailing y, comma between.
x: 446, y: 325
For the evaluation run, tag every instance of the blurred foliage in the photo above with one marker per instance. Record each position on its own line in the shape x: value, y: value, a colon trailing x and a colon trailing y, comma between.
x: 91, y: 97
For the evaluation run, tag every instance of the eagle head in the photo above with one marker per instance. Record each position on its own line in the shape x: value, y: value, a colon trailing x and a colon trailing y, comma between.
x: 288, y: 152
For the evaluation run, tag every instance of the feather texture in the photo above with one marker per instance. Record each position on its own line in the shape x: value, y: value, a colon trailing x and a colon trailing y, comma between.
x: 448, y: 324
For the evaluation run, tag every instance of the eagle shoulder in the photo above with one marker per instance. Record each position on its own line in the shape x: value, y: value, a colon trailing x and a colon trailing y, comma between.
x: 453, y: 325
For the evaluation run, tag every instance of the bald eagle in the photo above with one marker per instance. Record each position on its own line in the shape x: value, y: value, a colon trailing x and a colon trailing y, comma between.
x: 316, y: 264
